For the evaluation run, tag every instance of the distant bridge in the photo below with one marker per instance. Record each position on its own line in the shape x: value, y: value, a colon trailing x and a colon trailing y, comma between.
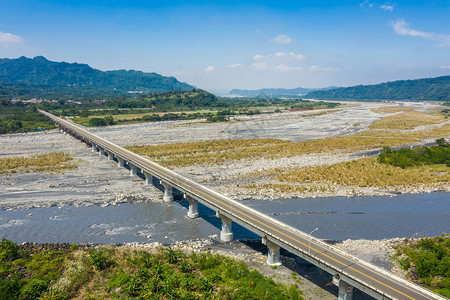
x: 348, y: 270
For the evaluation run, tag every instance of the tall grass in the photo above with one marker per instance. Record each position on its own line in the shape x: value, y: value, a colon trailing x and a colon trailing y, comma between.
x: 365, y: 172
x: 46, y: 162
x: 408, y: 120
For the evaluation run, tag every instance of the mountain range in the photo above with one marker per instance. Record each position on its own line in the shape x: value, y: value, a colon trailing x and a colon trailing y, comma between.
x: 272, y: 92
x: 427, y: 89
x: 43, y: 78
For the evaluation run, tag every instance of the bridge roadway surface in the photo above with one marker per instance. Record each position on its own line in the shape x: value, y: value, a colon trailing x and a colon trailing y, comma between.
x: 364, y: 276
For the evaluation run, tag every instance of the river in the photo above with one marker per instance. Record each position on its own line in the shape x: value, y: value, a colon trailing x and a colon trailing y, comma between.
x: 337, y: 218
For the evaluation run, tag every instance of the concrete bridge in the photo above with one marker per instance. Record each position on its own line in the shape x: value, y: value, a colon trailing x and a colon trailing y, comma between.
x: 349, y: 272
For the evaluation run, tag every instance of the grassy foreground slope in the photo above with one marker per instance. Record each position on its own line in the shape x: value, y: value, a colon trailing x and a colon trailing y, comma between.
x: 109, y: 272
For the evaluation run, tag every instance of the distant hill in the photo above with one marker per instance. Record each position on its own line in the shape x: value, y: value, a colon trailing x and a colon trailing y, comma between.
x: 431, y: 89
x: 39, y: 77
x: 274, y: 92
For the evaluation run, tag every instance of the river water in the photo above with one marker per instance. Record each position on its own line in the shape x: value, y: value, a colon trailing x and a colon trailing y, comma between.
x: 337, y: 218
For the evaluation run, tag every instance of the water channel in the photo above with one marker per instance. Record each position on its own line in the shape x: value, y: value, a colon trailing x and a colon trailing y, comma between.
x: 337, y: 218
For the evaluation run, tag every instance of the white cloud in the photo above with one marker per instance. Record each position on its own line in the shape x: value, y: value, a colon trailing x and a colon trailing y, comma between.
x: 8, y: 38
x: 445, y: 67
x: 234, y: 66
x: 402, y: 28
x: 209, y: 69
x: 387, y: 7
x: 281, y: 39
x: 285, y: 68
x: 260, y: 65
x: 296, y: 56
x: 366, y: 3
x: 315, y: 68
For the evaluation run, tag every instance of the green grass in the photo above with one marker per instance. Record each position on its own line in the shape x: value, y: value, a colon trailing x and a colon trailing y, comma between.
x: 109, y: 272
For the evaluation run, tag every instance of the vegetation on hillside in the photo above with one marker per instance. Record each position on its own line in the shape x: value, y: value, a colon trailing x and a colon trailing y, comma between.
x: 106, y: 272
x: 427, y: 89
x: 46, y: 162
x: 427, y: 261
x: 39, y: 77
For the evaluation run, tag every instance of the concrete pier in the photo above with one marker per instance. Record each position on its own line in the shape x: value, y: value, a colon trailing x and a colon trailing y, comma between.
x: 133, y: 170
x: 94, y: 148
x: 273, y: 252
x: 168, y: 192
x: 345, y: 289
x: 193, y: 208
x: 102, y: 152
x: 148, y: 178
x: 110, y: 156
x: 121, y: 162
x: 226, y: 235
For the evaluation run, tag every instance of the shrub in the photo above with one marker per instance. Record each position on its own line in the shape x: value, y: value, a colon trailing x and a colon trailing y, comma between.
x: 101, y: 259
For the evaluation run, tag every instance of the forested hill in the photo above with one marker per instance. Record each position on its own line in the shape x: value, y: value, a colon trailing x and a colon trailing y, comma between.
x: 274, y: 92
x: 427, y: 89
x: 39, y: 77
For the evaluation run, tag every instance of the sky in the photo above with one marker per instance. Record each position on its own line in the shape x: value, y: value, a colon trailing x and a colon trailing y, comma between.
x: 221, y: 45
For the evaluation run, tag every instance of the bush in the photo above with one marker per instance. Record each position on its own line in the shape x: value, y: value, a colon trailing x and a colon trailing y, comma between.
x: 8, y: 250
x: 95, y: 122
x: 100, y: 259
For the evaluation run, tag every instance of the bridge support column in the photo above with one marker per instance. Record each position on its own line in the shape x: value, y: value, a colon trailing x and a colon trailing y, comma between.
x: 273, y: 252
x: 110, y: 156
x: 226, y: 235
x: 133, y: 170
x: 121, y: 162
x: 102, y: 152
x: 345, y: 289
x: 168, y: 192
x: 94, y: 148
x: 148, y: 178
x: 193, y: 208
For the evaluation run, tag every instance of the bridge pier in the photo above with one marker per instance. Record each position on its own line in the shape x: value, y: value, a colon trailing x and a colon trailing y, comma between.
x: 345, y: 289
x: 110, y: 156
x: 193, y: 208
x: 168, y: 192
x: 226, y: 235
x: 121, y: 162
x: 102, y: 152
x: 94, y: 148
x: 148, y: 178
x: 273, y: 252
x: 133, y: 170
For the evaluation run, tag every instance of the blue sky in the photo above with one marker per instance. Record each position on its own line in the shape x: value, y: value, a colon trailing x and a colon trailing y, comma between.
x: 219, y: 45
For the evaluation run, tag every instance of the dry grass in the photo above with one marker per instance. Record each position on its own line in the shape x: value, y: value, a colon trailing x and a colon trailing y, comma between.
x: 393, y: 109
x: 408, y: 120
x: 219, y: 152
x: 365, y: 172
x: 46, y: 162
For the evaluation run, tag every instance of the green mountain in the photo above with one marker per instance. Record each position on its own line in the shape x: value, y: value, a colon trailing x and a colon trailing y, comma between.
x: 274, y: 92
x: 427, y: 89
x: 39, y: 77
